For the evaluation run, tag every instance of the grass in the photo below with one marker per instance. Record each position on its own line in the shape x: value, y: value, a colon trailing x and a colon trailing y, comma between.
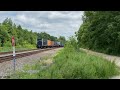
x: 71, y: 64
x: 17, y: 48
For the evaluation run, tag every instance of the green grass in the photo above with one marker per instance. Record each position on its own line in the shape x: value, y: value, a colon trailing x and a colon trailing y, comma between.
x: 17, y: 48
x: 71, y: 64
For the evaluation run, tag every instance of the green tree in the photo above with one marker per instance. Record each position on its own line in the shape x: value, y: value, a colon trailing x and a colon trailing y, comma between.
x: 3, y: 35
x: 100, y: 31
x: 62, y: 39
x: 23, y: 37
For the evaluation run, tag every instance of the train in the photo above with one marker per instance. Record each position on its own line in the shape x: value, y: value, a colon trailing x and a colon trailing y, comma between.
x: 44, y: 43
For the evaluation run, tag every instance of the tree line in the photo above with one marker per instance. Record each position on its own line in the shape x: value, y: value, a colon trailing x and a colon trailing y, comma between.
x: 100, y: 31
x: 22, y: 36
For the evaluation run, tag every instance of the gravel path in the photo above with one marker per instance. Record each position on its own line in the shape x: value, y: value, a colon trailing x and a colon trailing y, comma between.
x: 108, y: 57
x: 6, y: 68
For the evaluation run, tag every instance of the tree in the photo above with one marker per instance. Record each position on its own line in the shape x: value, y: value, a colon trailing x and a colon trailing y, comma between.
x: 23, y: 37
x: 100, y: 31
x: 3, y: 34
x: 62, y: 39
x: 44, y: 35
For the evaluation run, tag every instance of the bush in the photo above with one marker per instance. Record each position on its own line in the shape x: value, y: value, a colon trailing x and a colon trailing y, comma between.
x: 72, y: 43
x: 7, y: 44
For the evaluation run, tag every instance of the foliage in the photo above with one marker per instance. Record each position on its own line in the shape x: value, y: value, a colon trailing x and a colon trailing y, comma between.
x: 44, y: 35
x: 23, y: 37
x: 72, y: 42
x: 62, y: 39
x: 100, y: 31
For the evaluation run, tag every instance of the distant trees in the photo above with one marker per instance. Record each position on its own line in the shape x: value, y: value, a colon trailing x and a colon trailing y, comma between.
x: 100, y: 31
x: 62, y: 39
x: 44, y: 35
x: 22, y: 36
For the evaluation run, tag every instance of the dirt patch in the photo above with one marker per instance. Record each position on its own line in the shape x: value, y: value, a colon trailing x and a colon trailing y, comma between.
x: 46, y: 62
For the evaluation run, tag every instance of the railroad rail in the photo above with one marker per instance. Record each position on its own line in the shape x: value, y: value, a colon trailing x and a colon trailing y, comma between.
x: 23, y: 54
x: 2, y: 53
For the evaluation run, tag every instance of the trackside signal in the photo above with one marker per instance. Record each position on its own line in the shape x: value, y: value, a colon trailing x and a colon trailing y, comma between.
x: 13, y: 44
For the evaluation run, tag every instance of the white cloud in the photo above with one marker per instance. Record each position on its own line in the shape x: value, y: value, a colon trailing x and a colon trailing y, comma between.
x: 56, y: 23
x: 22, y: 18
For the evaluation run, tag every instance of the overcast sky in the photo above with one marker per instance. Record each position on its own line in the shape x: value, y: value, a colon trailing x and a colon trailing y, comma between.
x: 56, y: 23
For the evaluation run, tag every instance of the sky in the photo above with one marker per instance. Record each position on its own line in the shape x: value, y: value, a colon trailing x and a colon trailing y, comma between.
x: 55, y: 23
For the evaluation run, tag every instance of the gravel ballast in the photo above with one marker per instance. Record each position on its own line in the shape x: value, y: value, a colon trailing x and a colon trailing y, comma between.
x: 6, y: 68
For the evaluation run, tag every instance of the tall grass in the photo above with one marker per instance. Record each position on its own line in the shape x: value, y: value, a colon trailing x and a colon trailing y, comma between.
x: 70, y: 63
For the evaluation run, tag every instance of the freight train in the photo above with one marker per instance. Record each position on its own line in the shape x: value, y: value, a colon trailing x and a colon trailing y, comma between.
x: 44, y: 43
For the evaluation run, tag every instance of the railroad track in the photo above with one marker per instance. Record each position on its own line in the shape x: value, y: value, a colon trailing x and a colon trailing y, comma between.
x: 2, y: 53
x: 23, y: 54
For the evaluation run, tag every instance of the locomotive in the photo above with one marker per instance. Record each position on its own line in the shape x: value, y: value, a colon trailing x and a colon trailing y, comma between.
x: 44, y: 43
